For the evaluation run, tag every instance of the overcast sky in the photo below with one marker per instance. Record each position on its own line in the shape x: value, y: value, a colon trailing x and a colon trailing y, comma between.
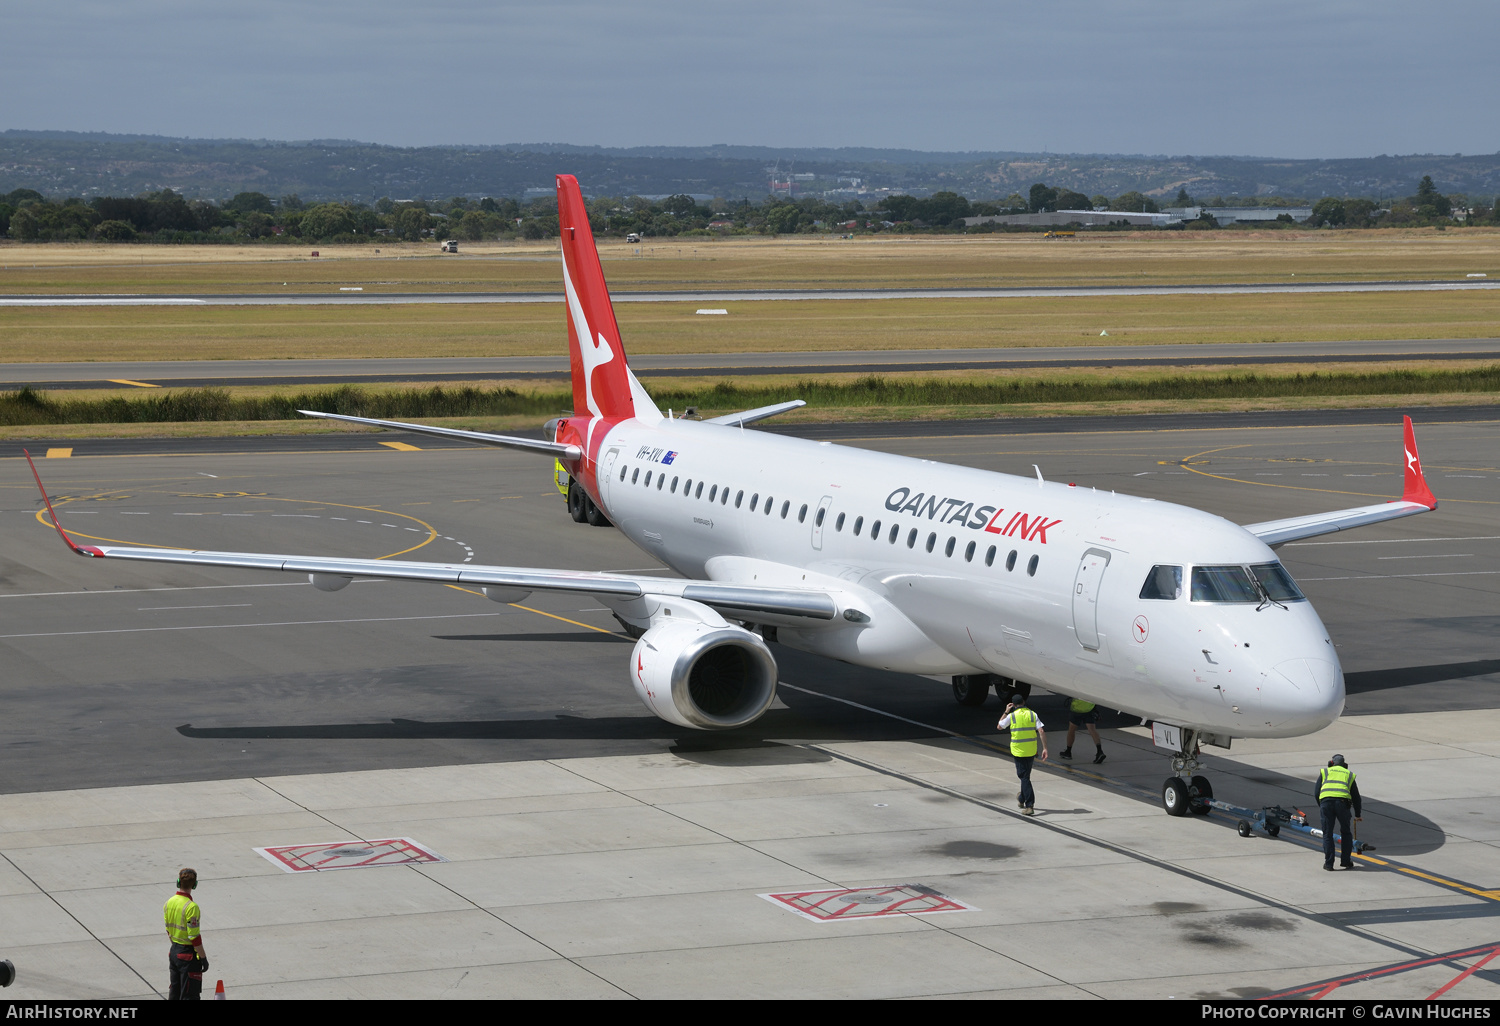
x: 1293, y: 78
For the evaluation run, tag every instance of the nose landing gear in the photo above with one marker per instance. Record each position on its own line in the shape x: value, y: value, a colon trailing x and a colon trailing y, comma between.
x: 1186, y: 792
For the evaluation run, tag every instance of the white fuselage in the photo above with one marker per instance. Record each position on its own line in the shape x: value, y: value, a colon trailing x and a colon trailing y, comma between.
x: 938, y: 591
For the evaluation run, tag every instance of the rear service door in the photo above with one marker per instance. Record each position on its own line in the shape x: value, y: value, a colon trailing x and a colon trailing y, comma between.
x: 607, y: 477
x: 1086, y: 597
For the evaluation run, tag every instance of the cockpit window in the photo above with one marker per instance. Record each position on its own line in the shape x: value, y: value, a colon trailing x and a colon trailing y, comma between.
x: 1223, y: 584
x: 1163, y: 582
x: 1277, y: 582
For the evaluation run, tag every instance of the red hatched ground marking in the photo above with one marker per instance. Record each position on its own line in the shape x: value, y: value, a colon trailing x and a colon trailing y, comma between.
x: 867, y: 902
x: 314, y: 858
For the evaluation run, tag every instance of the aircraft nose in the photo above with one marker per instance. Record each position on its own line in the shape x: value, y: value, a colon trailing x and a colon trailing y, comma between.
x: 1311, y: 695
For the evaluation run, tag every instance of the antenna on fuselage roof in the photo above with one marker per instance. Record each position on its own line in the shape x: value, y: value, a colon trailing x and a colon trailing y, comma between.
x: 1038, y: 470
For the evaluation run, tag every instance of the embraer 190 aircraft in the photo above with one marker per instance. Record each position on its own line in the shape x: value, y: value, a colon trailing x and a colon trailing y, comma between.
x: 1166, y: 612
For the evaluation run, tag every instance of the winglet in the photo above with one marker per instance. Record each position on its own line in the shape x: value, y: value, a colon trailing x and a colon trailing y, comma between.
x: 1416, y: 489
x: 82, y: 550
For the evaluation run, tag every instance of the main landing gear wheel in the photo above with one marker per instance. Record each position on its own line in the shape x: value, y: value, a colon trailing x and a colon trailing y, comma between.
x: 971, y: 689
x: 1200, y: 791
x: 1174, y: 797
x: 578, y: 503
x: 595, y: 516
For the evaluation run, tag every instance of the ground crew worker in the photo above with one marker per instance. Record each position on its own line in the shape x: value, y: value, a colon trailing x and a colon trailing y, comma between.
x: 1026, y: 737
x: 1083, y: 714
x: 1337, y: 792
x: 187, y: 963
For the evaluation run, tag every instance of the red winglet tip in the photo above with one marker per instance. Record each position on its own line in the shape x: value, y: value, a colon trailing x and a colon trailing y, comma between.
x: 53, y: 513
x: 1415, y: 489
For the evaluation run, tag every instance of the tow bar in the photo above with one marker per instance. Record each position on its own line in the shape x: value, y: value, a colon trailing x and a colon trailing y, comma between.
x: 1272, y: 818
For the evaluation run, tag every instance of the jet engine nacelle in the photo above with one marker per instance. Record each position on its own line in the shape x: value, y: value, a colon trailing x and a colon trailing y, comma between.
x: 703, y: 676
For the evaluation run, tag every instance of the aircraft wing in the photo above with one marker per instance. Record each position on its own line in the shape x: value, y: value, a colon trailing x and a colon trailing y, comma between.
x: 557, y: 449
x: 731, y: 599
x: 1416, y: 498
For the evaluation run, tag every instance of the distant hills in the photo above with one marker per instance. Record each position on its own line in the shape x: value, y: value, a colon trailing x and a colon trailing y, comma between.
x: 86, y: 164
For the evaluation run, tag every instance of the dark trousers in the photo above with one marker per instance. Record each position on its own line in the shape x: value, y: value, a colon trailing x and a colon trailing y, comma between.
x: 1023, y: 771
x: 1337, y: 809
x: 186, y: 973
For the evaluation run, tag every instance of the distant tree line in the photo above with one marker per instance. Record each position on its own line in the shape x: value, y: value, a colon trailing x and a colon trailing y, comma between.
x: 167, y: 217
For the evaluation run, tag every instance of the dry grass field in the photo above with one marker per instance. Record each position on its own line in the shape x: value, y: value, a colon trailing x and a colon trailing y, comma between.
x: 83, y: 334
x: 883, y: 261
x: 66, y: 334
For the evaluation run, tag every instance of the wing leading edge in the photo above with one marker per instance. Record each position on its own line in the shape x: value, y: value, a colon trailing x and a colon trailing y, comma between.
x: 329, y: 572
x: 1416, y: 498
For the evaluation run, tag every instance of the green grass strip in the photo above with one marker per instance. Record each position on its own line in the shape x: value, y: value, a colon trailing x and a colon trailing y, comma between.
x: 29, y: 407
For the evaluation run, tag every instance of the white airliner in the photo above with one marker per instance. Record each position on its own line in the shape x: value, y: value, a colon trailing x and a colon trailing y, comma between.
x: 1166, y: 612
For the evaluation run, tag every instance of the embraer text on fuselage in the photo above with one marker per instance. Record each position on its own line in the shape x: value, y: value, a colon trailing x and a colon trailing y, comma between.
x: 943, y: 510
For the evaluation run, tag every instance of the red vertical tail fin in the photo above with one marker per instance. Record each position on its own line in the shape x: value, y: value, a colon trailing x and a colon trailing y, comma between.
x: 1415, y: 489
x: 601, y: 380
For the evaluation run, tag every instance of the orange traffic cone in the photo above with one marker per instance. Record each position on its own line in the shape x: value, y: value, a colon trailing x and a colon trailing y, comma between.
x: 219, y: 991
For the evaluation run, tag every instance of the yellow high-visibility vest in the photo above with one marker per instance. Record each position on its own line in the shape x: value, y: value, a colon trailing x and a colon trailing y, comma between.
x: 1078, y: 705
x: 1334, y: 782
x: 181, y: 915
x: 1023, y: 733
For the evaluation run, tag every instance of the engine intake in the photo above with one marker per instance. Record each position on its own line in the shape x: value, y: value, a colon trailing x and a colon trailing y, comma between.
x: 701, y: 676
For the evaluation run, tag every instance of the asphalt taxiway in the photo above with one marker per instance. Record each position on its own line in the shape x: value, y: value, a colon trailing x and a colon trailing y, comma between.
x: 351, y: 295
x: 158, y: 716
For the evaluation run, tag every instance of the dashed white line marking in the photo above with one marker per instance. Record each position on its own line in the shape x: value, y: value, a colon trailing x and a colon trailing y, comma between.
x: 1398, y: 541
x: 152, y: 609
x: 131, y: 513
x: 232, y: 626
x: 304, y: 516
x: 1477, y: 476
x: 1268, y: 475
x: 1445, y: 555
x: 1383, y: 577
x: 187, y: 514
x: 136, y: 591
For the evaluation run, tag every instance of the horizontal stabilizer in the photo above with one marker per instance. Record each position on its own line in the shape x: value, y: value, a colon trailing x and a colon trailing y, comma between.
x: 566, y: 452
x: 759, y: 413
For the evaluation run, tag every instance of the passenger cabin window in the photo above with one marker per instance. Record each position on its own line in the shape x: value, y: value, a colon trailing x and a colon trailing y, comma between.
x: 802, y: 513
x: 674, y: 484
x: 1223, y: 584
x: 969, y: 552
x: 739, y: 497
x: 712, y: 492
x: 724, y: 496
x: 818, y: 520
x: 1277, y: 582
x: 754, y: 501
x: 838, y: 525
x: 1163, y: 582
x: 911, y: 538
x: 859, y: 522
x: 874, y: 530
x: 785, y: 505
x: 1031, y: 566
x: 648, y: 479
x: 661, y: 479
x: 636, y: 476
x: 989, y: 557
x: 623, y: 472
x: 699, y: 493
x: 895, y: 530
x: 1010, y: 560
